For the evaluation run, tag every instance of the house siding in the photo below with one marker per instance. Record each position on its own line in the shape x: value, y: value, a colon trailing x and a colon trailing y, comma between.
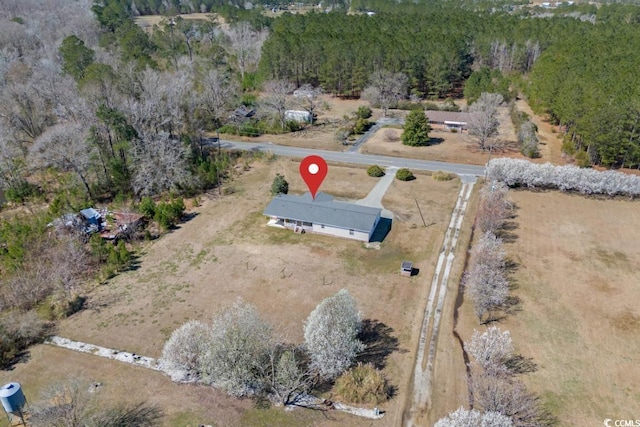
x: 362, y: 236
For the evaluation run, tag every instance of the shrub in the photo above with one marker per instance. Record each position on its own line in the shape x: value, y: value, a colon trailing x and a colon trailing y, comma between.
x: 361, y: 126
x: 363, y: 384
x: 582, y: 159
x: 363, y: 112
x: 442, y: 176
x: 450, y: 105
x: 375, y: 171
x: 405, y: 174
x: 293, y: 126
x: 147, y: 207
x: 169, y: 213
x: 390, y: 135
x: 17, y: 332
x: 279, y: 185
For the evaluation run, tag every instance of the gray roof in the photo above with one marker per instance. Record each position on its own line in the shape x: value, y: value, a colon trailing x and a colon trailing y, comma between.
x: 447, y: 116
x: 323, y: 210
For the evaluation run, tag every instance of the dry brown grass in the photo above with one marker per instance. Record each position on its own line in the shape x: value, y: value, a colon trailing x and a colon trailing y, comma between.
x: 577, y: 277
x: 227, y: 252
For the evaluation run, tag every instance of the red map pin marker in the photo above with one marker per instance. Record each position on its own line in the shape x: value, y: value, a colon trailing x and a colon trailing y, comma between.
x: 313, y: 170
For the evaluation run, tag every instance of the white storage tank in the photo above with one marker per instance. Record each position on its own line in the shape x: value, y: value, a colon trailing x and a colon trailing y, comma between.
x: 12, y: 398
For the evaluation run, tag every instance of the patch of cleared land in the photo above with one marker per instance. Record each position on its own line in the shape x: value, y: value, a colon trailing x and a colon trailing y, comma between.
x: 322, y: 134
x: 446, y: 146
x: 148, y: 21
x: 577, y: 276
x: 226, y: 252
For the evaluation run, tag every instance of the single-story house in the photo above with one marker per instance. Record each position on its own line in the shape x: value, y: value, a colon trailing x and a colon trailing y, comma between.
x: 301, y: 213
x: 448, y: 120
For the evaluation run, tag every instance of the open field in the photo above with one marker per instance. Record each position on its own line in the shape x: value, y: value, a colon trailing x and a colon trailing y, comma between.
x: 577, y: 276
x: 226, y: 252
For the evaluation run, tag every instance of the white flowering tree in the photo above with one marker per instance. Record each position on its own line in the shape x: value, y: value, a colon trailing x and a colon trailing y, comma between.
x: 485, y: 281
x: 473, y: 418
x: 331, y: 334
x: 186, y: 345
x: 491, y: 350
x: 240, y: 341
x: 518, y: 172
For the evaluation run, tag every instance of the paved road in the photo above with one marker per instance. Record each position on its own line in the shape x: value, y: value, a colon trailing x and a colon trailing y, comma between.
x: 466, y: 172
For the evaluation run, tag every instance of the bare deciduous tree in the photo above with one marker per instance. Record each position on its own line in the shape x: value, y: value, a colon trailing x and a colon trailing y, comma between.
x: 277, y: 99
x: 485, y: 282
x: 218, y: 92
x: 65, y: 147
x: 473, y: 418
x: 385, y: 89
x: 491, y: 350
x: 483, y: 119
x: 510, y: 397
x: 160, y: 164
x: 331, y: 334
x: 288, y: 374
x: 240, y: 339
x: 309, y: 99
x: 74, y: 403
x: 25, y: 111
x: 493, y: 209
x: 186, y: 345
x: 245, y: 45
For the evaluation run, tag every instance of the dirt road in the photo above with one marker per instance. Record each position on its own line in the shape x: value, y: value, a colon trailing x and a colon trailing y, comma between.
x: 423, y: 368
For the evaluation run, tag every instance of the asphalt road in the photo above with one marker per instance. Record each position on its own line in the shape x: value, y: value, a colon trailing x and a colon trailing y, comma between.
x: 466, y: 172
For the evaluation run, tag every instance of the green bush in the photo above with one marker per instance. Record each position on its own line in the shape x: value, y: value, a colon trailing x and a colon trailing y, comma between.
x: 363, y: 384
x: 361, y: 126
x: 169, y: 213
x: 147, y: 207
x: 293, y: 126
x: 279, y: 185
x: 363, y: 112
x: 21, y: 192
x: 375, y: 171
x: 442, y: 176
x: 582, y: 159
x: 405, y: 174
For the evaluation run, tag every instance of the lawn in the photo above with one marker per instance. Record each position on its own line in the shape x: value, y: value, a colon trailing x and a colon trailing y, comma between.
x: 577, y: 278
x: 226, y: 252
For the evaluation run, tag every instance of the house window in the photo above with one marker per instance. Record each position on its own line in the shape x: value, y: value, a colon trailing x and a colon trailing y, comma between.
x: 350, y: 232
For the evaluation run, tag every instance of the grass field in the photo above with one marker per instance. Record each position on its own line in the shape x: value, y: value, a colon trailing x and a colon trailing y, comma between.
x: 226, y: 252
x: 577, y: 277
